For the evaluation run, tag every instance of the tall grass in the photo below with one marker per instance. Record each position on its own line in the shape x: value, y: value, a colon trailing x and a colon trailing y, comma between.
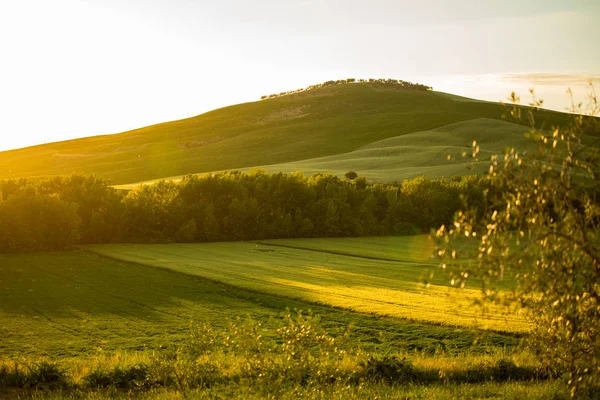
x: 246, y: 358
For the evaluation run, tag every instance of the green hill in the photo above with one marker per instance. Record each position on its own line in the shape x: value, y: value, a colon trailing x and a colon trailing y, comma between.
x: 336, y: 121
x: 411, y: 155
x: 418, y: 154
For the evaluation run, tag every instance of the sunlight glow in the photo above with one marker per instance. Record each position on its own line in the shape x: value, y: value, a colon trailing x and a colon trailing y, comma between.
x: 74, y: 68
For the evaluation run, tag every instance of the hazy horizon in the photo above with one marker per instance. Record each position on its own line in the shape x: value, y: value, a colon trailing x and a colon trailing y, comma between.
x: 76, y: 68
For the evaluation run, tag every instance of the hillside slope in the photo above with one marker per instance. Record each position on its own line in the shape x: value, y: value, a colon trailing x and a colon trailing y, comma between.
x: 307, y: 125
x: 419, y: 153
x: 411, y: 155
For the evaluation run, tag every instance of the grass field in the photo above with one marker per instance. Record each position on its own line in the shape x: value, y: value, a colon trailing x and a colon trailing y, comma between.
x: 323, y: 272
x: 119, y: 307
x: 325, y: 122
x: 70, y: 304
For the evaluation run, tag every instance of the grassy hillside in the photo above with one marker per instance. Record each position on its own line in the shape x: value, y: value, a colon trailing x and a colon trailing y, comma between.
x: 411, y: 155
x: 318, y: 123
x: 418, y: 154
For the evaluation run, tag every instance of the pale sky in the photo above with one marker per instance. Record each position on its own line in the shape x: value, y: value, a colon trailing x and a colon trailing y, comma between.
x: 73, y: 68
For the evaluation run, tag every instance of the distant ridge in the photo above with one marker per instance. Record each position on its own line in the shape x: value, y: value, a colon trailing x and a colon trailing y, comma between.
x: 390, y: 83
x: 326, y: 121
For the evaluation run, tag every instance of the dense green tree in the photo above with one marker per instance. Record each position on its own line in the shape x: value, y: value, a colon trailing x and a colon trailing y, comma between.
x: 187, y: 233
x: 98, y: 204
x: 151, y: 213
x: 351, y: 175
x: 208, y: 228
x: 37, y: 222
x: 245, y: 206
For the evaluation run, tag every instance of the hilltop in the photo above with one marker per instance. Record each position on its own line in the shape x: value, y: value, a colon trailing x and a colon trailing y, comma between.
x: 286, y: 132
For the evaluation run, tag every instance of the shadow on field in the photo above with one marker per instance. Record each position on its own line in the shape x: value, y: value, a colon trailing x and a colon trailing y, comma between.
x: 72, y: 302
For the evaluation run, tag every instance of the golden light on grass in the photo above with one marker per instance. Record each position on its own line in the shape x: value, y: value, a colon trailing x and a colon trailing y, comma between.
x: 354, y: 280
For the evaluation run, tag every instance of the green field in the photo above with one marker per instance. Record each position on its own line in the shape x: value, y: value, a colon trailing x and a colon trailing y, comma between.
x: 412, y: 155
x: 388, y: 285
x: 333, y: 121
x: 69, y: 304
x: 107, y: 309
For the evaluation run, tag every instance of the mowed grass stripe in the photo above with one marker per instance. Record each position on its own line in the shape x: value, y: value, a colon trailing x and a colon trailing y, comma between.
x: 387, y: 288
x: 95, y: 302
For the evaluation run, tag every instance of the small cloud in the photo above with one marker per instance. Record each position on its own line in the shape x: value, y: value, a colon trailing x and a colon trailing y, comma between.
x: 547, y: 79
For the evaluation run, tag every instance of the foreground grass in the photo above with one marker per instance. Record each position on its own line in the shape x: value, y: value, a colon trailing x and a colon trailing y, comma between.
x: 300, y: 269
x: 507, y: 391
x: 248, y: 360
x: 78, y: 325
x: 517, y: 390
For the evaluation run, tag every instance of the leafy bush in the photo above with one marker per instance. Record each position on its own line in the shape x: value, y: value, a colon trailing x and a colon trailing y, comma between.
x: 119, y: 377
x: 507, y: 370
x: 44, y: 374
x: 541, y: 227
x: 351, y: 175
x: 390, y: 370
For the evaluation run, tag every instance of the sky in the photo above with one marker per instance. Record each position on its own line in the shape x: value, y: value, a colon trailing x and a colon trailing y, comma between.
x: 74, y: 68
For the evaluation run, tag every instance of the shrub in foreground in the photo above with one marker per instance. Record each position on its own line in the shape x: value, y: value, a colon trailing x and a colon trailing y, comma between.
x: 44, y: 374
x: 298, y: 353
x: 541, y: 227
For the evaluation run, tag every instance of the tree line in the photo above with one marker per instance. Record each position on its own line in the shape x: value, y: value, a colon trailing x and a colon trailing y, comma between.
x: 60, y: 212
x: 397, y: 83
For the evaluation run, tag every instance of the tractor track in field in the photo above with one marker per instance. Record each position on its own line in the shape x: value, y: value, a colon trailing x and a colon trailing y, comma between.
x: 133, y: 317
x: 109, y: 308
x: 80, y: 284
x: 63, y: 327
x: 341, y: 253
